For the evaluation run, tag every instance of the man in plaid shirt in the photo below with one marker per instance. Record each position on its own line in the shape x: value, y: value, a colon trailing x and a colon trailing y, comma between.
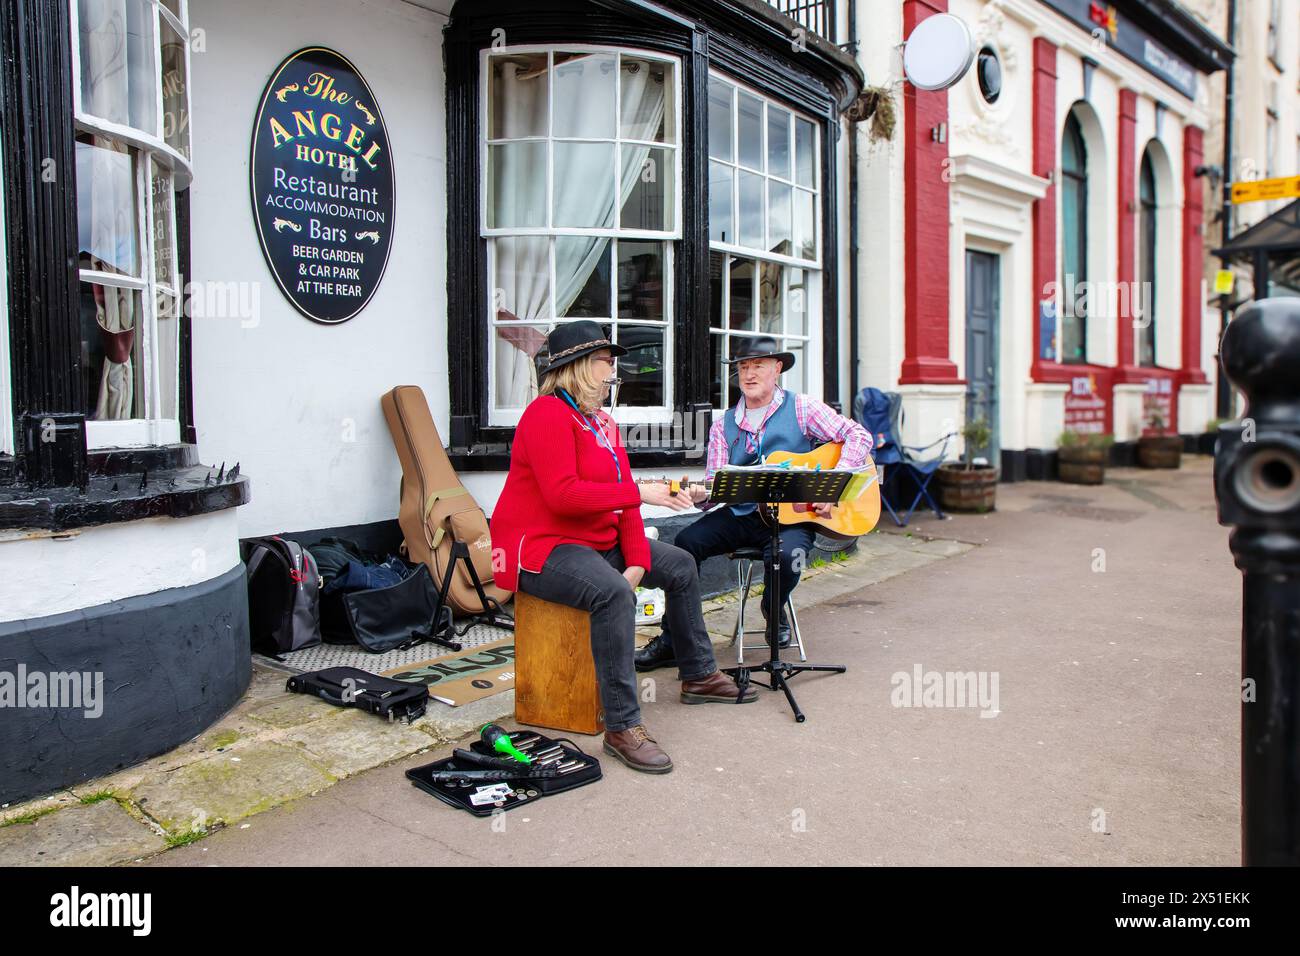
x: 767, y: 418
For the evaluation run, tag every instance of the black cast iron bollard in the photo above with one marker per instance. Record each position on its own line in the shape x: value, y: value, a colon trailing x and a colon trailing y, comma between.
x: 1257, y: 484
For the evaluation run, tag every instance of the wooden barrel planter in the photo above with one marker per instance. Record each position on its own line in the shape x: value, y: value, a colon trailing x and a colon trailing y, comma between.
x: 1160, y: 451
x: 1080, y: 465
x: 975, y: 490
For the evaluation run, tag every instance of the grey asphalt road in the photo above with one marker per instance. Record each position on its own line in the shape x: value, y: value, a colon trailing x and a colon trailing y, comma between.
x: 1110, y: 618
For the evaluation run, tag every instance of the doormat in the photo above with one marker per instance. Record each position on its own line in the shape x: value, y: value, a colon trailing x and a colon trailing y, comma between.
x: 322, y: 656
x: 466, y: 675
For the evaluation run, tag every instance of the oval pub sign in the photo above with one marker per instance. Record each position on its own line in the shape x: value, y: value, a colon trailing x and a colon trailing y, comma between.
x: 322, y: 184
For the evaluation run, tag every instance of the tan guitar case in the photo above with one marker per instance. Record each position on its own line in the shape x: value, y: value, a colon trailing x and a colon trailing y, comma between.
x: 436, y: 509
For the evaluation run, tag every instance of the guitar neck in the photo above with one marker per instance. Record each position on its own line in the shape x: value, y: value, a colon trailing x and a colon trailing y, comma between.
x: 677, y: 484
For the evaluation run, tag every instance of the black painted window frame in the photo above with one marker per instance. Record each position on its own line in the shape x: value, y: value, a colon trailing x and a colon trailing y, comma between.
x: 41, y: 244
x: 702, y: 45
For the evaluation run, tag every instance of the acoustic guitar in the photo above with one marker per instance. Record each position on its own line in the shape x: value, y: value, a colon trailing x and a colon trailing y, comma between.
x: 849, y: 519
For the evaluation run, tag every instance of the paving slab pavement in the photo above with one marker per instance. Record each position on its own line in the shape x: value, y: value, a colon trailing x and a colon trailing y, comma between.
x: 1102, y: 626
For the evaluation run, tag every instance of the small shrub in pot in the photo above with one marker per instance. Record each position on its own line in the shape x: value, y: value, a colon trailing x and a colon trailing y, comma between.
x: 970, y: 487
x: 1081, y: 458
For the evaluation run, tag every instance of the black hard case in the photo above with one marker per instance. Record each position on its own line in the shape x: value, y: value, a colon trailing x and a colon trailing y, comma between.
x: 353, y: 687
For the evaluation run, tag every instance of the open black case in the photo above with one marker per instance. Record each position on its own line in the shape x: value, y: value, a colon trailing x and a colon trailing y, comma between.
x: 460, y: 796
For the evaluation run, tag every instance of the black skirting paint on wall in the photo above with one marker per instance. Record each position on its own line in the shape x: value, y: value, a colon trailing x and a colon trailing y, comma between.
x: 1013, y: 465
x: 1040, y: 464
x: 717, y: 576
x: 379, y: 537
x: 171, y: 663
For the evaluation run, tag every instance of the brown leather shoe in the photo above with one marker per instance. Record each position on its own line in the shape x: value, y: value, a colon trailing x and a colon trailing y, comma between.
x: 636, y: 748
x: 716, y: 688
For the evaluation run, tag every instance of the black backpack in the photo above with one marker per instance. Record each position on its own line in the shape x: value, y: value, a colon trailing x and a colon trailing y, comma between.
x: 283, y: 595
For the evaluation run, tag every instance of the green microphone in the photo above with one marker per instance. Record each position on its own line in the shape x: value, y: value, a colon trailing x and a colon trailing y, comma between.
x: 499, y: 740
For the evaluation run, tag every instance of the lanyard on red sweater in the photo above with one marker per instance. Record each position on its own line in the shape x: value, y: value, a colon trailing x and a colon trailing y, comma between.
x: 596, y: 430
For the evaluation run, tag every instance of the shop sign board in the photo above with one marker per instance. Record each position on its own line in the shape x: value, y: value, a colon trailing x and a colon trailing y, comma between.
x: 1085, y: 408
x: 1158, y: 399
x: 1114, y: 28
x: 322, y: 183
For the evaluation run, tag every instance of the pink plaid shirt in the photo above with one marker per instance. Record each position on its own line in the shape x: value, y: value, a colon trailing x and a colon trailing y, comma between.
x: 817, y: 420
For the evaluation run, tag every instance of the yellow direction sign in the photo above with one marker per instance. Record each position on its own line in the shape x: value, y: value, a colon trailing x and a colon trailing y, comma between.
x: 1287, y: 187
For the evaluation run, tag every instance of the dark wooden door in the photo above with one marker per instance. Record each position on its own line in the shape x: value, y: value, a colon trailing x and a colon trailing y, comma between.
x: 982, y: 280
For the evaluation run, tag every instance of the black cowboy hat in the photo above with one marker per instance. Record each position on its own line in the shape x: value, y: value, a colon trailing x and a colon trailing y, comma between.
x: 762, y: 347
x: 572, y: 340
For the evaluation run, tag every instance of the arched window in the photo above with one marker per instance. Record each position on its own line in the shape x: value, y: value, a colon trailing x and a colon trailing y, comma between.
x: 1074, y: 242
x: 1147, y: 262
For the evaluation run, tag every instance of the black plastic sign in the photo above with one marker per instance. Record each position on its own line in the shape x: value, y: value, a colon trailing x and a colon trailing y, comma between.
x: 322, y: 185
x: 1117, y: 30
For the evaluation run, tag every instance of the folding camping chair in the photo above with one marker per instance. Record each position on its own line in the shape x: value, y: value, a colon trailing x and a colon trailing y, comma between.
x: 881, y: 413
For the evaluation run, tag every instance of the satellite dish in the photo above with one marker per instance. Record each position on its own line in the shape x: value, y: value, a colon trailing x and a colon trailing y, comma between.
x: 939, y: 52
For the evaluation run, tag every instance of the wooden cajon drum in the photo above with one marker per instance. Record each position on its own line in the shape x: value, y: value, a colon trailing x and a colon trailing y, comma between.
x: 555, y: 675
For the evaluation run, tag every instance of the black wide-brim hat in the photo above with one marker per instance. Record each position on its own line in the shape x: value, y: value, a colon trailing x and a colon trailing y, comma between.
x: 762, y: 347
x: 573, y: 340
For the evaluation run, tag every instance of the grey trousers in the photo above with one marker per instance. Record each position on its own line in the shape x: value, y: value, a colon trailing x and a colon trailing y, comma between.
x: 578, y: 576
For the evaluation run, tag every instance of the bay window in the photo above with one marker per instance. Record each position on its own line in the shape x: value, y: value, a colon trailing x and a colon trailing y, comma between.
x: 661, y: 169
x: 580, y: 211
x: 764, y: 249
x: 131, y: 100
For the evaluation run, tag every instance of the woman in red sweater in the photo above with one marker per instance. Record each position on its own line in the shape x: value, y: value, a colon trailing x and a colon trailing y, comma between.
x: 568, y: 524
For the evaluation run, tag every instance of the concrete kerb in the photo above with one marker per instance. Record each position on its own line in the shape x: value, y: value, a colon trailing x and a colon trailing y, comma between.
x: 275, y: 747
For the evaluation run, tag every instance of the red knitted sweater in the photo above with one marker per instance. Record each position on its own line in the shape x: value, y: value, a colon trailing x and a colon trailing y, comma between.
x: 563, y: 489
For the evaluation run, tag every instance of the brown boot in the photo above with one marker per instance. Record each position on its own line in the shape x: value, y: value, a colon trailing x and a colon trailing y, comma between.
x: 636, y: 748
x: 716, y: 688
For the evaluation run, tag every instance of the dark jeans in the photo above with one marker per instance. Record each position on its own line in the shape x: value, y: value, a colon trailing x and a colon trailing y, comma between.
x: 721, y: 530
x: 577, y: 576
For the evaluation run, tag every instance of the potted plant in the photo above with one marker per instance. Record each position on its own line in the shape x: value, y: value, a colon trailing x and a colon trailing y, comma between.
x: 1081, y: 458
x: 1158, y: 448
x: 970, y: 487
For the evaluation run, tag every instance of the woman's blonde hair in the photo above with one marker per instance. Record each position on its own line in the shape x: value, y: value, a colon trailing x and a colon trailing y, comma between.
x: 580, y: 379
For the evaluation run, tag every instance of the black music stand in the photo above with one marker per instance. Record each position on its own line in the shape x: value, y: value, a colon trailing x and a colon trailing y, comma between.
x: 768, y: 489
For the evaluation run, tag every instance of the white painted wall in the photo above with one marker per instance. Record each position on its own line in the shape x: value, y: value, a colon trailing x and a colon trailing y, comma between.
x: 94, y: 566
x: 880, y: 206
x: 297, y: 403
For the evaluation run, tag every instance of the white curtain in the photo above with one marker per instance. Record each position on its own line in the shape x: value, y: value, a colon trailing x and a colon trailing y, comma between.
x: 584, y: 196
x: 117, y: 51
x: 109, y: 29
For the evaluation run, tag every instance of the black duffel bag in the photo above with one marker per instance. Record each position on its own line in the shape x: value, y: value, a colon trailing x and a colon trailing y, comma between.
x: 385, y: 619
x: 332, y: 556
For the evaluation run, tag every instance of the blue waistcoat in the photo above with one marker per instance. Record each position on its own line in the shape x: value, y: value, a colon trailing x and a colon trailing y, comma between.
x: 780, y: 433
